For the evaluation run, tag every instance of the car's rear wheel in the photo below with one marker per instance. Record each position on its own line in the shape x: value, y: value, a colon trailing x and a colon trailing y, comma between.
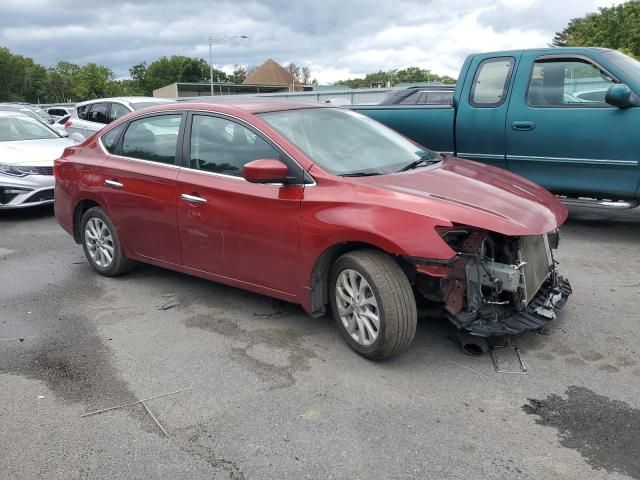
x: 373, y: 303
x: 101, y: 244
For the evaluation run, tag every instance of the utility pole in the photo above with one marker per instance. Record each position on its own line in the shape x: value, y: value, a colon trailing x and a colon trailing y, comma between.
x: 211, y: 39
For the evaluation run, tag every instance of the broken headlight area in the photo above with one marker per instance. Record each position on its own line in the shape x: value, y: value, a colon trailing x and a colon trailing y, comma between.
x: 498, y: 285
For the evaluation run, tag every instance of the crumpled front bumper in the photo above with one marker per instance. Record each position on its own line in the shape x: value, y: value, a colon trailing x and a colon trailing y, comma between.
x: 540, y: 311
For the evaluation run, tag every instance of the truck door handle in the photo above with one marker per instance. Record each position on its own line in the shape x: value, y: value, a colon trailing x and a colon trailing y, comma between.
x: 113, y: 183
x: 192, y: 198
x: 523, y: 125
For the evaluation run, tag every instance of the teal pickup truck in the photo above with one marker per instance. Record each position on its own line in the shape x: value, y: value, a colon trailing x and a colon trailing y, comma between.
x: 566, y: 118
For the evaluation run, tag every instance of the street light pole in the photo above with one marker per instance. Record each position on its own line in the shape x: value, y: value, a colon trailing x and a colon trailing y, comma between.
x: 211, y: 39
x: 211, y: 64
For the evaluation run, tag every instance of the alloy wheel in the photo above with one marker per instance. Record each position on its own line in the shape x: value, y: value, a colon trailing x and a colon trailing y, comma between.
x: 99, y: 241
x: 357, y: 307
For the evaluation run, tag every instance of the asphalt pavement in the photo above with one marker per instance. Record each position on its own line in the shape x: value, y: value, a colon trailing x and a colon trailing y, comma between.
x: 256, y: 389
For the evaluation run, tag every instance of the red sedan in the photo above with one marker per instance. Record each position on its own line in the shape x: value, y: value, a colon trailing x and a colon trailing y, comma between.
x: 319, y: 206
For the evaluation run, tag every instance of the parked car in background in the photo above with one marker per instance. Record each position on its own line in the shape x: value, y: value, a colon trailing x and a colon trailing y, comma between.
x: 59, y: 125
x: 89, y: 117
x: 428, y: 95
x: 319, y: 206
x: 27, y: 109
x: 27, y: 151
x: 597, y: 96
x: 566, y: 118
x: 59, y: 111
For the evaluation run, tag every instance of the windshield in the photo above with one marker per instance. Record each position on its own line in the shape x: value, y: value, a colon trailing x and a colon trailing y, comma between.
x: 141, y: 105
x: 627, y: 64
x: 23, y: 128
x: 40, y: 112
x: 344, y: 142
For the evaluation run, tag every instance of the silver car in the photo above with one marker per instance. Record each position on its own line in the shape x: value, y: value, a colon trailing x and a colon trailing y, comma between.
x: 91, y: 116
x: 27, y: 151
x: 27, y: 109
x: 59, y: 111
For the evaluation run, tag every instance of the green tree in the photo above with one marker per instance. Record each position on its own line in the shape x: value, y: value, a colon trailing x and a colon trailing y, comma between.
x: 94, y: 81
x: 393, y: 77
x: 61, y: 81
x: 615, y: 27
x: 239, y: 74
x: 167, y: 70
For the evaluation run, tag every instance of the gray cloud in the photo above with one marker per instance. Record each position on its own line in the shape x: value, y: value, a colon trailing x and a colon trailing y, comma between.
x: 337, y: 38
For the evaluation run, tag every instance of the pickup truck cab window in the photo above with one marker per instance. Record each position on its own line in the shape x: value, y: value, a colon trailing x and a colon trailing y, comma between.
x: 153, y: 138
x: 491, y: 82
x: 567, y: 82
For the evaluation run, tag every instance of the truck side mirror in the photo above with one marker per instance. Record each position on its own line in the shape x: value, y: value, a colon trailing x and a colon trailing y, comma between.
x: 619, y: 95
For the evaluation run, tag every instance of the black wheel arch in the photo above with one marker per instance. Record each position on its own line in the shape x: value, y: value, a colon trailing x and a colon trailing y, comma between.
x: 78, y: 212
x: 319, y: 282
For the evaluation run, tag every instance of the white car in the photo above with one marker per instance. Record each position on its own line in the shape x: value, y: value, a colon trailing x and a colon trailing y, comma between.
x: 89, y: 117
x: 59, y: 111
x: 27, y: 151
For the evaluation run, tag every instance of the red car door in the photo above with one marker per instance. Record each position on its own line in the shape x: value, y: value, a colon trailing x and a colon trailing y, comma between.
x: 139, y: 187
x: 228, y: 226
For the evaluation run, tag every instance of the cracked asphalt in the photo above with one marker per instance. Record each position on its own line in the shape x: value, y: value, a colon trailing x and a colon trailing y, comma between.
x: 273, y: 393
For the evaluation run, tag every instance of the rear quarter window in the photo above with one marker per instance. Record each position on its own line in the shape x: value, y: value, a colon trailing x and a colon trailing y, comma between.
x: 491, y: 82
x: 110, y: 139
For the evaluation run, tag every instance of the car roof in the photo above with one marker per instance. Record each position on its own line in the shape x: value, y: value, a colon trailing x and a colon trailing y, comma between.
x: 247, y: 104
x: 125, y: 99
x: 13, y: 113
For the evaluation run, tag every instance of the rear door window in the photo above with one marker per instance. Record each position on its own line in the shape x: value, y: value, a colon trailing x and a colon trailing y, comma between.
x: 153, y: 138
x: 83, y: 112
x: 98, y: 113
x: 491, y: 82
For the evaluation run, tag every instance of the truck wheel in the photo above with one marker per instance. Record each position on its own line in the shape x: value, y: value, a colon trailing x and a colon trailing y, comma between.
x: 372, y: 303
x: 101, y: 244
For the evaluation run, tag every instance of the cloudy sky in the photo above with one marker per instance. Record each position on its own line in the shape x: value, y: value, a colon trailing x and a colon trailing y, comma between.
x: 336, y: 39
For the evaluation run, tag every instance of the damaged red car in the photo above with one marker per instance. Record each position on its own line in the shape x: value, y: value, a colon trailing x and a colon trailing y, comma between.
x: 319, y: 206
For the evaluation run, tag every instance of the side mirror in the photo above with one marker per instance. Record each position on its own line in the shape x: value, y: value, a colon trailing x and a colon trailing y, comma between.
x: 619, y: 95
x: 265, y: 170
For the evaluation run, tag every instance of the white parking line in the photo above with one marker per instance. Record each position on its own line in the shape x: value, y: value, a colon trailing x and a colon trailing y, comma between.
x: 5, y: 251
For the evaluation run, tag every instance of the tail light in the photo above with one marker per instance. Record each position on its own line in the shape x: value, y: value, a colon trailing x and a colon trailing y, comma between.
x: 68, y: 123
x: 56, y: 167
x: 57, y: 164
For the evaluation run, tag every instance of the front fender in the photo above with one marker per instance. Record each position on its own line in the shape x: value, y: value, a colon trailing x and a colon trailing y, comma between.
x: 395, y: 231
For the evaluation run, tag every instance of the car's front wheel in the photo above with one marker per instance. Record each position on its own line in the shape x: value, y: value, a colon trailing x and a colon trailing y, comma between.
x: 101, y: 244
x: 373, y: 303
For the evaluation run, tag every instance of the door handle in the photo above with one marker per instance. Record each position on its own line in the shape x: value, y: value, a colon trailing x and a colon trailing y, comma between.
x: 192, y: 198
x: 113, y: 183
x: 523, y: 125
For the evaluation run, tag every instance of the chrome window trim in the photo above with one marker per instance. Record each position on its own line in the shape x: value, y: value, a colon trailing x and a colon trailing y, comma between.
x: 498, y: 156
x: 137, y: 117
x: 587, y: 161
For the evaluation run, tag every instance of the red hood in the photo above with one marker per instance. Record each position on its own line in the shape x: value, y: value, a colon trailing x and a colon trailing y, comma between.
x: 470, y: 193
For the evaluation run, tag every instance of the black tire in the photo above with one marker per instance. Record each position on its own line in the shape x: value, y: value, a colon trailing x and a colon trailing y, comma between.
x: 119, y: 263
x: 396, y: 304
